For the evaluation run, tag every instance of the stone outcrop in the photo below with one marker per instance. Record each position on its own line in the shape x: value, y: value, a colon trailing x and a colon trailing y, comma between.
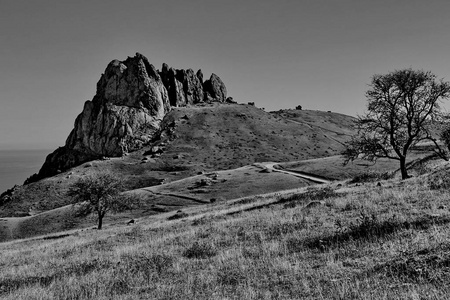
x: 184, y: 86
x: 173, y: 85
x: 125, y: 114
x: 215, y: 89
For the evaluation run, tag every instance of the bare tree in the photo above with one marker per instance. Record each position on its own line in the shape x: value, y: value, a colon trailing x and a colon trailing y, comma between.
x: 403, y: 110
x: 100, y: 193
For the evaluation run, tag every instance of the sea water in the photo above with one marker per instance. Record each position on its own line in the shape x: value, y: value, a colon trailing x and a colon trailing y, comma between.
x: 18, y: 165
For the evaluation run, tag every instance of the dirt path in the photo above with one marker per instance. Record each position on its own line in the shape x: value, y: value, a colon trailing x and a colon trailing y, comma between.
x: 271, y: 166
x: 9, y: 227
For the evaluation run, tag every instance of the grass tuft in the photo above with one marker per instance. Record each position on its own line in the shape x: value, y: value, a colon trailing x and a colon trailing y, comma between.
x: 200, y: 250
x: 369, y: 228
x: 423, y: 266
x: 231, y: 274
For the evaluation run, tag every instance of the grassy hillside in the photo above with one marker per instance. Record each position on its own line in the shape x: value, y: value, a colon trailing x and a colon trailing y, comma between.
x: 195, y: 139
x: 192, y: 191
x: 337, y: 241
x: 333, y: 167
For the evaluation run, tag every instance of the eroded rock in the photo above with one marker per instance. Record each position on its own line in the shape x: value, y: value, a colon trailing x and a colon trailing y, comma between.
x: 215, y: 89
x: 125, y: 114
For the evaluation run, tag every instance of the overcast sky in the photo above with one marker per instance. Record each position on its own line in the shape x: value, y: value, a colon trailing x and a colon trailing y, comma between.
x: 320, y: 54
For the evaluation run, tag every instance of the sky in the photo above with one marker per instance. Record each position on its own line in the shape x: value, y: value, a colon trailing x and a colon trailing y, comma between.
x: 320, y: 54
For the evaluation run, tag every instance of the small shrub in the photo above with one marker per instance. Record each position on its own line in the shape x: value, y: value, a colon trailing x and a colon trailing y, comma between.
x: 178, y: 215
x: 371, y: 177
x: 200, y: 250
x: 291, y: 204
x: 135, y: 232
x: 119, y: 285
x: 351, y: 205
x: 294, y: 244
x: 168, y: 167
x: 160, y: 209
x: 252, y: 252
x: 55, y: 237
x: 231, y: 274
x: 439, y: 181
x: 422, y: 169
x: 369, y: 226
x: 201, y: 221
x: 161, y: 262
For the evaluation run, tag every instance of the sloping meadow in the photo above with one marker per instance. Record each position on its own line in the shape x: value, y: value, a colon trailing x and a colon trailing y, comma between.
x: 371, y: 241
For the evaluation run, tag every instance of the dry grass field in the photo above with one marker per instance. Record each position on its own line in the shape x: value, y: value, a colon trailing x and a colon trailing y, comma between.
x: 215, y: 219
x: 375, y: 240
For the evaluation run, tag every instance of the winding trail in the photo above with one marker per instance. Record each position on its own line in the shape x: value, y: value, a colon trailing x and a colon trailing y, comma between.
x: 9, y: 227
x: 271, y: 166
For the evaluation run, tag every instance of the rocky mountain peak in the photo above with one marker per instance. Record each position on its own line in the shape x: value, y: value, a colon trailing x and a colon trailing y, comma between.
x: 131, y: 100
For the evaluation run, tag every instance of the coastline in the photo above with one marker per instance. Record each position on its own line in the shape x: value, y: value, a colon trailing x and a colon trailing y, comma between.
x: 16, y: 165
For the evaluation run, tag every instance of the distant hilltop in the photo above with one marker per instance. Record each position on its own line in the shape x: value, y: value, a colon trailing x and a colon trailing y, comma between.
x: 131, y: 100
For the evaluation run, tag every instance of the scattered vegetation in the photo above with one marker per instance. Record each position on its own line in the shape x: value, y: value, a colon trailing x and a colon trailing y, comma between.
x: 371, y: 177
x: 439, y: 181
x: 200, y: 250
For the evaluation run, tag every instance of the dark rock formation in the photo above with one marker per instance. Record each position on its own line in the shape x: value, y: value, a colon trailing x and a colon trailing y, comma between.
x: 184, y: 86
x: 215, y: 89
x: 173, y: 86
x: 130, y: 103
x: 192, y: 86
x: 200, y: 76
x: 125, y: 114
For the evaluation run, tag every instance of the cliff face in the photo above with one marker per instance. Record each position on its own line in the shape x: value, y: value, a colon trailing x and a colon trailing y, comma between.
x: 131, y: 100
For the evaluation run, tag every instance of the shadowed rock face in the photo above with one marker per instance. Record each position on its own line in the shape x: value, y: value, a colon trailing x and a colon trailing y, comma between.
x: 215, y: 89
x: 184, y: 86
x: 131, y: 100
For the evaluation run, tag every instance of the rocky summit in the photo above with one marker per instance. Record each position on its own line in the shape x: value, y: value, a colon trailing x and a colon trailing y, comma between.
x: 131, y: 100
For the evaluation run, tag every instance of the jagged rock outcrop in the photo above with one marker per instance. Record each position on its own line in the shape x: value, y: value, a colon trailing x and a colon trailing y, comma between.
x: 184, y: 86
x: 173, y: 85
x: 215, y: 89
x: 125, y: 114
x: 192, y: 86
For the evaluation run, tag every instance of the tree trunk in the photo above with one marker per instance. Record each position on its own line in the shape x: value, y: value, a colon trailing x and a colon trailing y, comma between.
x: 100, y: 221
x: 403, y: 167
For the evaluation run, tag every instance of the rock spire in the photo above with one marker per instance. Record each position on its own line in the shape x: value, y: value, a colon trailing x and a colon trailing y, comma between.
x: 131, y: 100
